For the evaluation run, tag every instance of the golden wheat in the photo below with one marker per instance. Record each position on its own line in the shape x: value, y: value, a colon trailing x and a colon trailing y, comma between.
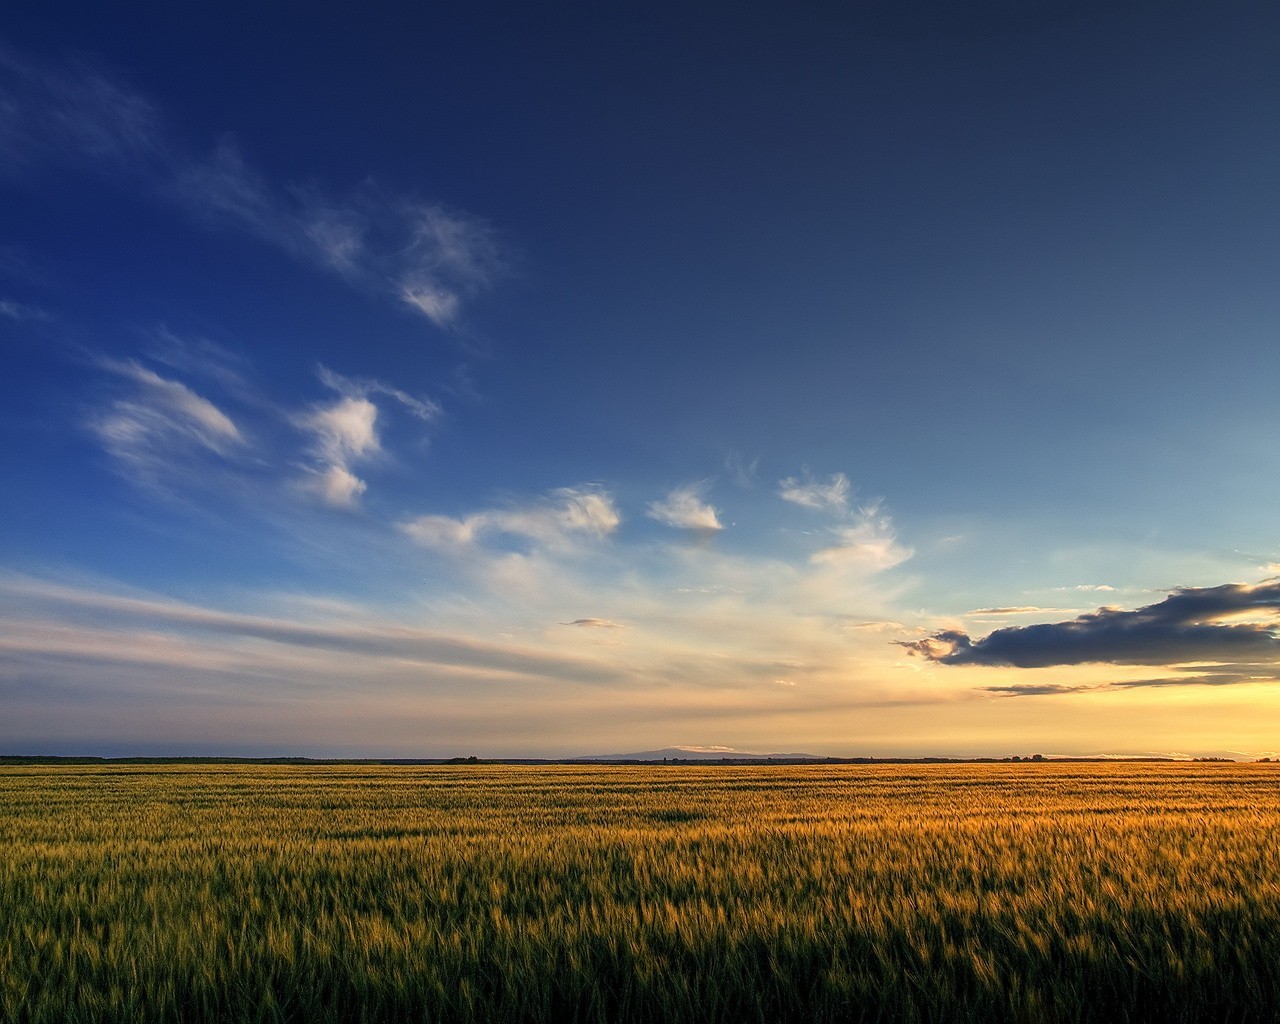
x: 1003, y: 892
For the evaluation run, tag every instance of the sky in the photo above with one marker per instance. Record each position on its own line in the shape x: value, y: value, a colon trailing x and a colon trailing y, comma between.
x: 491, y: 378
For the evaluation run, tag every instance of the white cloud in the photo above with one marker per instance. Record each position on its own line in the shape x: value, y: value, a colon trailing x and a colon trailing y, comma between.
x: 444, y: 533
x: 160, y: 422
x: 564, y: 517
x: 832, y: 495
x: 436, y: 303
x: 340, y: 487
x: 684, y: 509
x: 345, y: 431
x: 868, y: 544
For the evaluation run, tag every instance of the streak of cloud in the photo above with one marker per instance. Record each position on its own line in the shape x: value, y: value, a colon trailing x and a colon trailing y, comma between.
x: 125, y: 628
x: 429, y: 257
x: 1228, y: 678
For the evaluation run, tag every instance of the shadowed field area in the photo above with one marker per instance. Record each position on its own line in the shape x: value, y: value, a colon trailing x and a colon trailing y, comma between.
x: 1003, y: 892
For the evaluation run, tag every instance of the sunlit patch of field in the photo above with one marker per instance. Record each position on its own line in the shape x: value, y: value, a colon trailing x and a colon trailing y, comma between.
x: 1003, y: 892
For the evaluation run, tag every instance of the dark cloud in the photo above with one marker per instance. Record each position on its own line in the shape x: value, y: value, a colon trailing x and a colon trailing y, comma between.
x: 1033, y: 689
x: 1229, y: 678
x: 1214, y: 679
x: 1189, y: 625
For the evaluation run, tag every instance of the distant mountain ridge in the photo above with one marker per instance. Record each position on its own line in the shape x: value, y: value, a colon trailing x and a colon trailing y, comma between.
x: 698, y: 754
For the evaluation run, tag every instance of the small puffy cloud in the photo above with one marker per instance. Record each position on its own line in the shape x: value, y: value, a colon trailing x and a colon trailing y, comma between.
x: 867, y: 544
x: 340, y: 487
x: 584, y: 510
x: 443, y: 533
x: 344, y: 431
x: 831, y: 495
x: 561, y: 519
x: 1194, y: 624
x: 684, y: 509
x: 347, y: 429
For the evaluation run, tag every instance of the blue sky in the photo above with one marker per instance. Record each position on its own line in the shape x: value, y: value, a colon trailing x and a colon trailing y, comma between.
x: 451, y: 379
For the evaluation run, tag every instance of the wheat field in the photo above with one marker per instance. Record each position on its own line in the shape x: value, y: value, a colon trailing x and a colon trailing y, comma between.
x: 1000, y: 892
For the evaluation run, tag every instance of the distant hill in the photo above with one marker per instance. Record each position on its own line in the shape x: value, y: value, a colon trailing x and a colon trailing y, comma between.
x: 698, y: 754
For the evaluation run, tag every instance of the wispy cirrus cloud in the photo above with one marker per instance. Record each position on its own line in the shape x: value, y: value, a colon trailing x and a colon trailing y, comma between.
x: 198, y: 357
x: 684, y: 508
x: 830, y: 495
x: 22, y: 312
x: 1195, y: 624
x: 559, y: 521
x: 431, y: 258
x: 424, y: 409
x: 868, y: 543
x: 865, y: 538
x: 159, y: 422
x: 58, y: 114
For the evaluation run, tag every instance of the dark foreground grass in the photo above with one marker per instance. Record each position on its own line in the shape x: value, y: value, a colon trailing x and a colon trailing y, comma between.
x: 995, y: 893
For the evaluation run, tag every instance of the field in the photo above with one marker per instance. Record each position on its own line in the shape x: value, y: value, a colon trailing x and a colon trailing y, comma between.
x: 1001, y: 892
